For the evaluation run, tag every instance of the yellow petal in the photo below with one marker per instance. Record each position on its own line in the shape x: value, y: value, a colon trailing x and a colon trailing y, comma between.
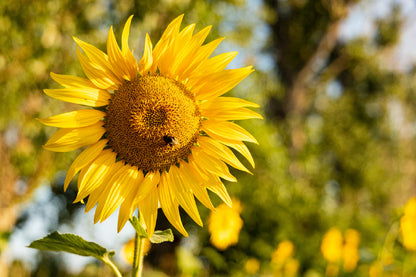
x: 149, y: 184
x: 98, y: 76
x: 127, y: 53
x: 122, y: 61
x: 212, y: 65
x: 212, y: 164
x: 181, y: 49
x: 219, y: 83
x: 167, y: 62
x: 93, y: 197
x: 169, y: 204
x: 126, y: 211
x: 225, y: 103
x: 171, y: 31
x: 75, y: 119
x: 219, y: 189
x: 92, y: 98
x: 228, y: 130
x: 95, y: 174
x: 199, y: 38
x: 130, y: 204
x: 195, y: 183
x: 148, y: 211
x: 186, y: 56
x: 83, y: 159
x: 181, y: 41
x: 125, y: 36
x: 70, y: 81
x: 242, y: 148
x: 97, y: 193
x: 100, y: 60
x: 201, y: 55
x: 237, y: 145
x: 116, y: 58
x: 163, y: 45
x: 146, y: 61
x: 65, y: 140
x: 184, y: 194
x: 216, y: 149
x: 211, y: 181
x: 120, y: 186
x: 199, y: 174
x: 236, y: 114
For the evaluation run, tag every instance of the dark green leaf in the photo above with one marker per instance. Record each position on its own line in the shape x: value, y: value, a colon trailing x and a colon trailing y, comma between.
x: 70, y: 243
x: 138, y: 227
x: 162, y: 236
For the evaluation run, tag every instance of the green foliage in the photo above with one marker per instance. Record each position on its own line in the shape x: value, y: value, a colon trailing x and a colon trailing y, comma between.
x: 141, y: 232
x: 158, y: 235
x: 72, y: 244
x: 162, y: 236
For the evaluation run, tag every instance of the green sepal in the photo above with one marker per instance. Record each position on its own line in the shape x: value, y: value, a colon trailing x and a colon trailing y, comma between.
x: 72, y: 244
x: 162, y: 236
x: 138, y: 227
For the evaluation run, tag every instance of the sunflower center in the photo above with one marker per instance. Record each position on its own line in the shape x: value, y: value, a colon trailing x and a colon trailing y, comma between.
x: 152, y: 122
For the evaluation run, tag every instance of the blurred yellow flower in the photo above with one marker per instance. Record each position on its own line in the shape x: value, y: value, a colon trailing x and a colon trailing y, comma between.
x: 128, y: 250
x: 252, y: 266
x: 291, y: 268
x: 408, y: 225
x: 283, y: 252
x: 224, y: 225
x: 336, y: 249
x: 331, y: 246
x: 350, y: 253
x: 376, y: 269
x: 386, y: 257
x: 282, y: 261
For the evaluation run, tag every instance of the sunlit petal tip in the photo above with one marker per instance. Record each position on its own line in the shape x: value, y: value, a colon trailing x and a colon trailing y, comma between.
x: 97, y: 217
x: 178, y: 18
x: 128, y: 22
x: 79, y: 200
x: 125, y: 34
x: 146, y: 61
x: 77, y: 40
x: 219, y: 189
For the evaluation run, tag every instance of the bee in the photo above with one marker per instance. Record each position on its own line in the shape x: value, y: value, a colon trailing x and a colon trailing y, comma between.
x: 171, y: 141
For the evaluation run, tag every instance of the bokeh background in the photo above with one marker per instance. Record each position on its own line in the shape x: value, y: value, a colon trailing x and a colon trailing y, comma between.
x: 336, y: 162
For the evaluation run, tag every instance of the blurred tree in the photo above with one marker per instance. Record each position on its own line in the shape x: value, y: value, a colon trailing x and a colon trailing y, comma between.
x: 342, y: 138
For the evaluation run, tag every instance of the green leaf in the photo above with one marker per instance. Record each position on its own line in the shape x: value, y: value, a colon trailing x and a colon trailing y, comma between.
x: 72, y: 244
x: 162, y: 236
x: 138, y: 227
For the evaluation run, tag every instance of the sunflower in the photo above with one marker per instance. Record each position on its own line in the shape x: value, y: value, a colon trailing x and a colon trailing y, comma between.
x: 159, y: 131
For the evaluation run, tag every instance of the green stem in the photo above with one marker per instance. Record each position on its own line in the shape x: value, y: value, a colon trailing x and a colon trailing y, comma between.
x: 107, y: 260
x: 138, y: 256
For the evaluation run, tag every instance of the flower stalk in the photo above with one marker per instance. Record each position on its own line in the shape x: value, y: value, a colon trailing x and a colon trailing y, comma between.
x: 107, y: 261
x: 138, y: 255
